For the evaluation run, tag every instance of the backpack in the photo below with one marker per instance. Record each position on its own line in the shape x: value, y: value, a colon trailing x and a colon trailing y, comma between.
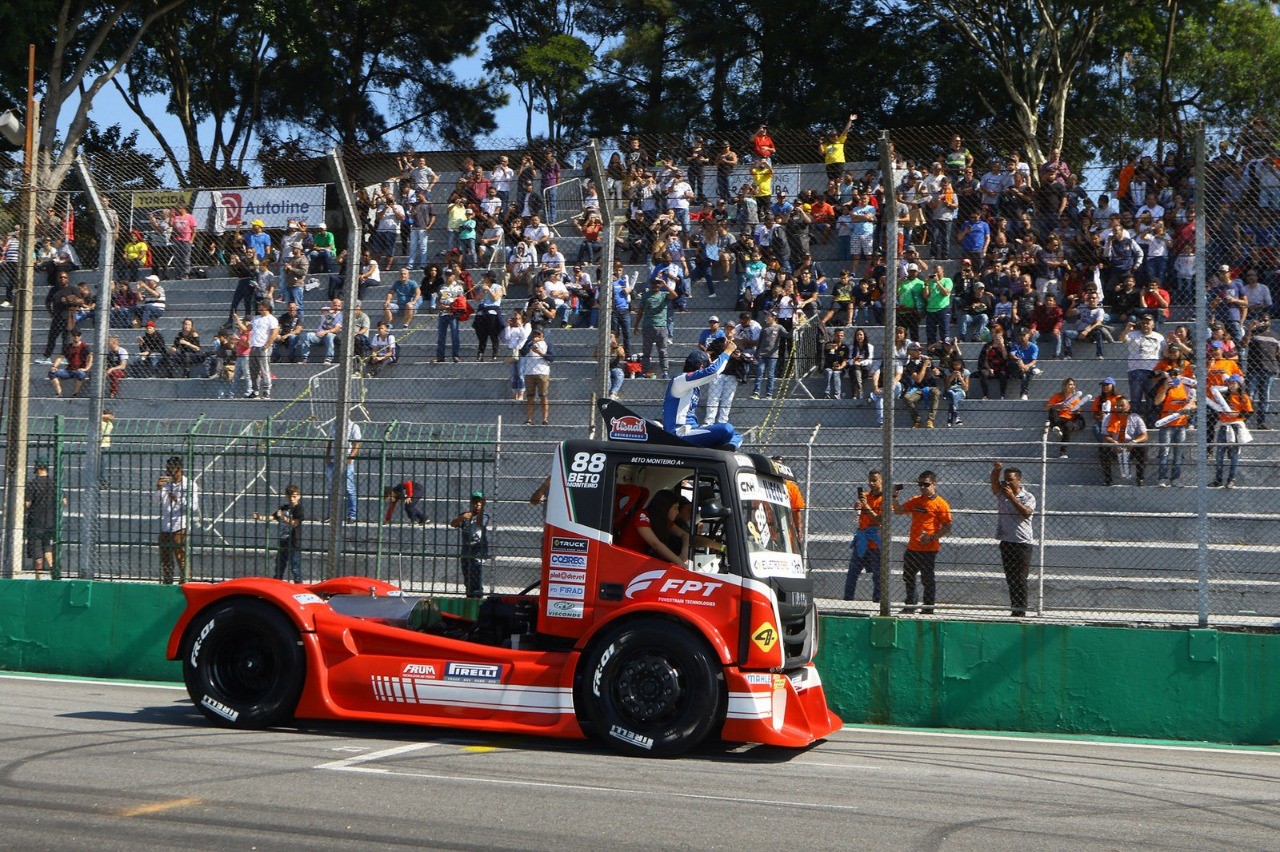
x: 461, y: 309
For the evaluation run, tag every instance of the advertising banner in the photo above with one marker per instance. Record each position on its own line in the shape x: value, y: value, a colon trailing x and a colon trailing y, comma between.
x: 221, y: 210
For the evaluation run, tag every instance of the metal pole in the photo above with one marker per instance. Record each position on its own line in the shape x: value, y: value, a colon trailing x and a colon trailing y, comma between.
x: 92, y: 494
x: 340, y: 445
x: 808, y: 483
x: 1202, y: 381
x: 1044, y: 498
x: 604, y: 296
x: 888, y: 215
x: 20, y: 349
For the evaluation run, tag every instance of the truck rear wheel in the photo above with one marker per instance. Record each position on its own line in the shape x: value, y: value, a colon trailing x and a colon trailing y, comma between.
x: 652, y: 688
x: 243, y: 664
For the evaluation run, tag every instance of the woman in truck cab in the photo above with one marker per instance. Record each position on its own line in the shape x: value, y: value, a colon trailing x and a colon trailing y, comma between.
x: 653, y: 530
x: 661, y: 529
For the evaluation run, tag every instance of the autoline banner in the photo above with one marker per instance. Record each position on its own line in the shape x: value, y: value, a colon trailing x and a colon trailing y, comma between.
x: 221, y: 210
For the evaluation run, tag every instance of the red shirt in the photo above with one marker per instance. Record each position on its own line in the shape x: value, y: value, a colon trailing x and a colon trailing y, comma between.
x: 76, y: 355
x: 630, y: 538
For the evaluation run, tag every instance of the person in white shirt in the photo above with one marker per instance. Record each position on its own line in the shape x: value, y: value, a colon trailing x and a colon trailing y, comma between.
x: 536, y: 232
x: 263, y: 331
x: 177, y: 498
x: 503, y: 178
x: 513, y: 338
x: 553, y: 265
x: 1145, y: 346
x: 679, y: 194
x: 537, y: 377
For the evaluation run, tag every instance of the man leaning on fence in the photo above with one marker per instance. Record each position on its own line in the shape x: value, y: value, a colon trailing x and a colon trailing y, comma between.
x: 177, y: 498
x: 1014, y: 507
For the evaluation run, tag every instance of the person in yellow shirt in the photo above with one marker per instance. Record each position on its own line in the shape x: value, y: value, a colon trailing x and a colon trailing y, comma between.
x: 762, y: 179
x: 832, y: 150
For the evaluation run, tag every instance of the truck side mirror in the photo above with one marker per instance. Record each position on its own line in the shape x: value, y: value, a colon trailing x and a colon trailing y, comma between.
x: 712, y: 509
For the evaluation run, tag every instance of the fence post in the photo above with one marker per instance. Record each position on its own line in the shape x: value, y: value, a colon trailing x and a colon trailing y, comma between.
x: 339, y: 448
x: 890, y: 297
x: 59, y: 489
x: 189, y: 469
x: 604, y: 284
x: 1044, y: 507
x: 20, y: 346
x: 91, y: 495
x: 1202, y: 381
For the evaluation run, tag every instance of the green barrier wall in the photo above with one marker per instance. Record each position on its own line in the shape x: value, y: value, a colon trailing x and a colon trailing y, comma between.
x: 1162, y: 684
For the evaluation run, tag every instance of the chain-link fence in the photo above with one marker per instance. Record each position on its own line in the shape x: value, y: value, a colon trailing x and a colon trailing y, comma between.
x: 1021, y: 235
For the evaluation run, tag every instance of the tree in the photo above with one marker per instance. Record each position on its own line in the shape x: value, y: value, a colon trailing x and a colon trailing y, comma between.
x: 536, y: 49
x: 82, y: 53
x: 346, y: 58
x: 1037, y: 48
x: 211, y: 62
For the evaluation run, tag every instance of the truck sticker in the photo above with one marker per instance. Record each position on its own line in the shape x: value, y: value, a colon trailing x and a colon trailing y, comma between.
x: 561, y: 576
x: 751, y: 487
x: 564, y: 590
x: 776, y: 564
x: 641, y: 582
x: 574, y: 561
x: 628, y: 428
x: 758, y: 679
x: 308, y: 598
x: 569, y: 545
x: 473, y: 672
x: 564, y: 609
x: 765, y: 637
x: 419, y: 670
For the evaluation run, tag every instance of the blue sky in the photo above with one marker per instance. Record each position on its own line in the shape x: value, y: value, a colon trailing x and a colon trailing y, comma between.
x: 109, y: 108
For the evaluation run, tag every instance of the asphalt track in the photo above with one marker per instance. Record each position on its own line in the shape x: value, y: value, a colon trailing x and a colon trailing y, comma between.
x: 105, y: 765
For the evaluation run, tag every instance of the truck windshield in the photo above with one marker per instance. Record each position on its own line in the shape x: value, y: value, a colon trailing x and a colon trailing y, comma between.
x: 773, y: 546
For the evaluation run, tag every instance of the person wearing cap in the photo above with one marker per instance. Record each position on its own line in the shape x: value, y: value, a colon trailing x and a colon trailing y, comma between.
x: 322, y: 255
x: 684, y: 391
x: 1232, y: 407
x: 976, y: 307
x: 1103, y: 403
x: 178, y: 498
x: 713, y: 331
x: 473, y: 525
x: 1144, y: 345
x: 920, y: 384
x: 258, y: 239
x: 40, y: 520
x: 153, y: 299
x: 75, y: 363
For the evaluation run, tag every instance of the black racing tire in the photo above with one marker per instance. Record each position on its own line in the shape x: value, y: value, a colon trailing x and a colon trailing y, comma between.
x: 652, y: 688
x: 243, y: 663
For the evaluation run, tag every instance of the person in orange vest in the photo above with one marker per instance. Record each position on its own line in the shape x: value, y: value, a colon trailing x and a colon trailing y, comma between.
x: 1231, y: 429
x: 1174, y: 401
x: 1124, y: 438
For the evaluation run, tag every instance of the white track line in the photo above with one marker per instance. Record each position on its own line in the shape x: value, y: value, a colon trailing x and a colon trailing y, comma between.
x: 91, y: 682
x: 349, y: 763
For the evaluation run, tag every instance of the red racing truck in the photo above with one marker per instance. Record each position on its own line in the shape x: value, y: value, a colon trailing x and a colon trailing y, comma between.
x: 648, y: 656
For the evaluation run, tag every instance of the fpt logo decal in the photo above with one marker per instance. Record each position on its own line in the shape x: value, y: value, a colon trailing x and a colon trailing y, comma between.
x: 628, y: 428
x: 765, y: 637
x: 641, y: 582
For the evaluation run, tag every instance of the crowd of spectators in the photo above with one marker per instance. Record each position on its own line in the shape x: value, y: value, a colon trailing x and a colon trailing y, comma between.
x: 995, y: 250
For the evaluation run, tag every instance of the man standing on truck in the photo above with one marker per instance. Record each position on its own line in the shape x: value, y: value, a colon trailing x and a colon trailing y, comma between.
x: 680, y: 404
x: 474, y: 526
x: 930, y: 522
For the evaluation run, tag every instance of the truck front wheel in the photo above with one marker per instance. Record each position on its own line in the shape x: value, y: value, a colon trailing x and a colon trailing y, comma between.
x: 652, y: 688
x: 243, y: 663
